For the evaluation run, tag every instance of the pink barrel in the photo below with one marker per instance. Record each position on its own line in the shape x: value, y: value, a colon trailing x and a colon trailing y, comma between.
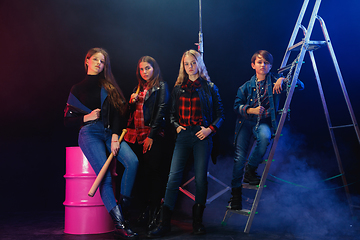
x: 83, y: 214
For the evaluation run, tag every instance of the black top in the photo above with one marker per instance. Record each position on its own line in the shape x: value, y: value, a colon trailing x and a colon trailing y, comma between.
x: 88, y: 92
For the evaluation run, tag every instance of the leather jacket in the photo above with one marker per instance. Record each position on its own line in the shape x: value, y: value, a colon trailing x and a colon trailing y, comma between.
x: 75, y: 111
x: 155, y: 108
x: 211, y: 106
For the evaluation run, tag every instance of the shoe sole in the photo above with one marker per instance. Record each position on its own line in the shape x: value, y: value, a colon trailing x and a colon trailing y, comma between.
x: 251, y: 183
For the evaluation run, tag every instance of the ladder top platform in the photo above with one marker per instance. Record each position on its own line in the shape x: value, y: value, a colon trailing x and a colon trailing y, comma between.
x: 312, y: 45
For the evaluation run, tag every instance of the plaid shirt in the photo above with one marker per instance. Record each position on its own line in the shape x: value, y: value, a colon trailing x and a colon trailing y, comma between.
x: 141, y: 132
x: 189, y: 104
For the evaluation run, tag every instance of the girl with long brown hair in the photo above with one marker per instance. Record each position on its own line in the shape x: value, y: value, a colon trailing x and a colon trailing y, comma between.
x: 146, y: 130
x: 98, y: 107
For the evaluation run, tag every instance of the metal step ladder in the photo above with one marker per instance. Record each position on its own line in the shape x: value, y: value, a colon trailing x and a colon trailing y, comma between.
x: 293, y: 69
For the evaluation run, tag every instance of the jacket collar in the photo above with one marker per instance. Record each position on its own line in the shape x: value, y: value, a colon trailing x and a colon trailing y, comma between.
x: 267, y: 78
x: 150, y: 91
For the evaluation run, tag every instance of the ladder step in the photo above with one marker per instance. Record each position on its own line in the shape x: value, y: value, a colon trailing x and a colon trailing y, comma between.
x: 244, y: 212
x: 284, y: 69
x: 248, y: 186
x: 343, y: 126
x: 313, y: 45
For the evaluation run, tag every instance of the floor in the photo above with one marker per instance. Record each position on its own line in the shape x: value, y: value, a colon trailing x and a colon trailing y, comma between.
x: 50, y: 226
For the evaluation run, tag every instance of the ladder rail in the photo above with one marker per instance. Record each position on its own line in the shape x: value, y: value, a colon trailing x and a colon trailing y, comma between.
x: 331, y: 131
x: 312, y: 21
x: 327, y: 115
x: 303, y: 50
x: 274, y: 144
x: 295, y: 32
x: 305, y: 46
x: 338, y: 72
x: 286, y: 105
x: 257, y: 198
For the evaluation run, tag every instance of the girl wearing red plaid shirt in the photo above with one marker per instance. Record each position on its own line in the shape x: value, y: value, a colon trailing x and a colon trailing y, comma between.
x: 148, y: 108
x: 196, y: 113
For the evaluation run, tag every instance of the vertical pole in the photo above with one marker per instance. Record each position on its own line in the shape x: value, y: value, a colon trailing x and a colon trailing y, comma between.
x: 201, y: 43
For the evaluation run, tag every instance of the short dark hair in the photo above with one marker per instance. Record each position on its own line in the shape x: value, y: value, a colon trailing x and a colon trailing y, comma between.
x: 264, y: 54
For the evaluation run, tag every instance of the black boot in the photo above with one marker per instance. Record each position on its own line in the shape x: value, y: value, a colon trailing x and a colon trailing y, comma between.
x: 125, y: 203
x: 164, y: 226
x: 236, y: 199
x: 154, y: 218
x: 197, y: 212
x: 121, y: 229
x: 144, y: 217
x: 251, y: 176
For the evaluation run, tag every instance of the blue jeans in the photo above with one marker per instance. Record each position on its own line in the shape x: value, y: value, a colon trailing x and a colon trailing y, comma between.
x: 94, y: 139
x: 187, y: 143
x: 247, y: 130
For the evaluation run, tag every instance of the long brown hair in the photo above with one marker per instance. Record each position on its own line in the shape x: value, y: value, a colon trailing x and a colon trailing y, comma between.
x: 199, y: 63
x: 155, y: 78
x: 108, y: 81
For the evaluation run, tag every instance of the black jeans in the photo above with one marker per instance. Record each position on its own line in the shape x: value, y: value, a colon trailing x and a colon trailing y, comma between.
x: 152, y: 173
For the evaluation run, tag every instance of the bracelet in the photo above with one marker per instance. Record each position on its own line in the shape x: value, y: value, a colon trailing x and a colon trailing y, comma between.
x: 115, y: 141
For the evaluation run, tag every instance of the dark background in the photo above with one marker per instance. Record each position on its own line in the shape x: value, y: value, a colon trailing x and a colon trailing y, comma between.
x: 43, y: 45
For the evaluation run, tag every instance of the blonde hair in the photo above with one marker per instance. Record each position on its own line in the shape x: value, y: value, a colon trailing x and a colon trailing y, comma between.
x: 199, y: 63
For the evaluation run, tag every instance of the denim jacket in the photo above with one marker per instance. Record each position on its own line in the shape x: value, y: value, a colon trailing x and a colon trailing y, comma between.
x: 211, y: 106
x: 246, y: 94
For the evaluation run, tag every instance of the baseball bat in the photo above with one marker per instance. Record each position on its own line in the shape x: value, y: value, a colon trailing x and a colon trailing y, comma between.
x: 137, y: 92
x: 103, y: 170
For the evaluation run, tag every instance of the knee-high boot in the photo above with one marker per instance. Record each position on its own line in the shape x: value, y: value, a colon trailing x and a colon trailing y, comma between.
x: 197, y: 213
x: 164, y: 226
x: 125, y: 203
x: 121, y: 229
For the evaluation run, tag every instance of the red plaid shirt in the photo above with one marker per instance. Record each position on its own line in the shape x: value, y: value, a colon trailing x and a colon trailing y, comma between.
x: 189, y: 104
x: 141, y: 132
